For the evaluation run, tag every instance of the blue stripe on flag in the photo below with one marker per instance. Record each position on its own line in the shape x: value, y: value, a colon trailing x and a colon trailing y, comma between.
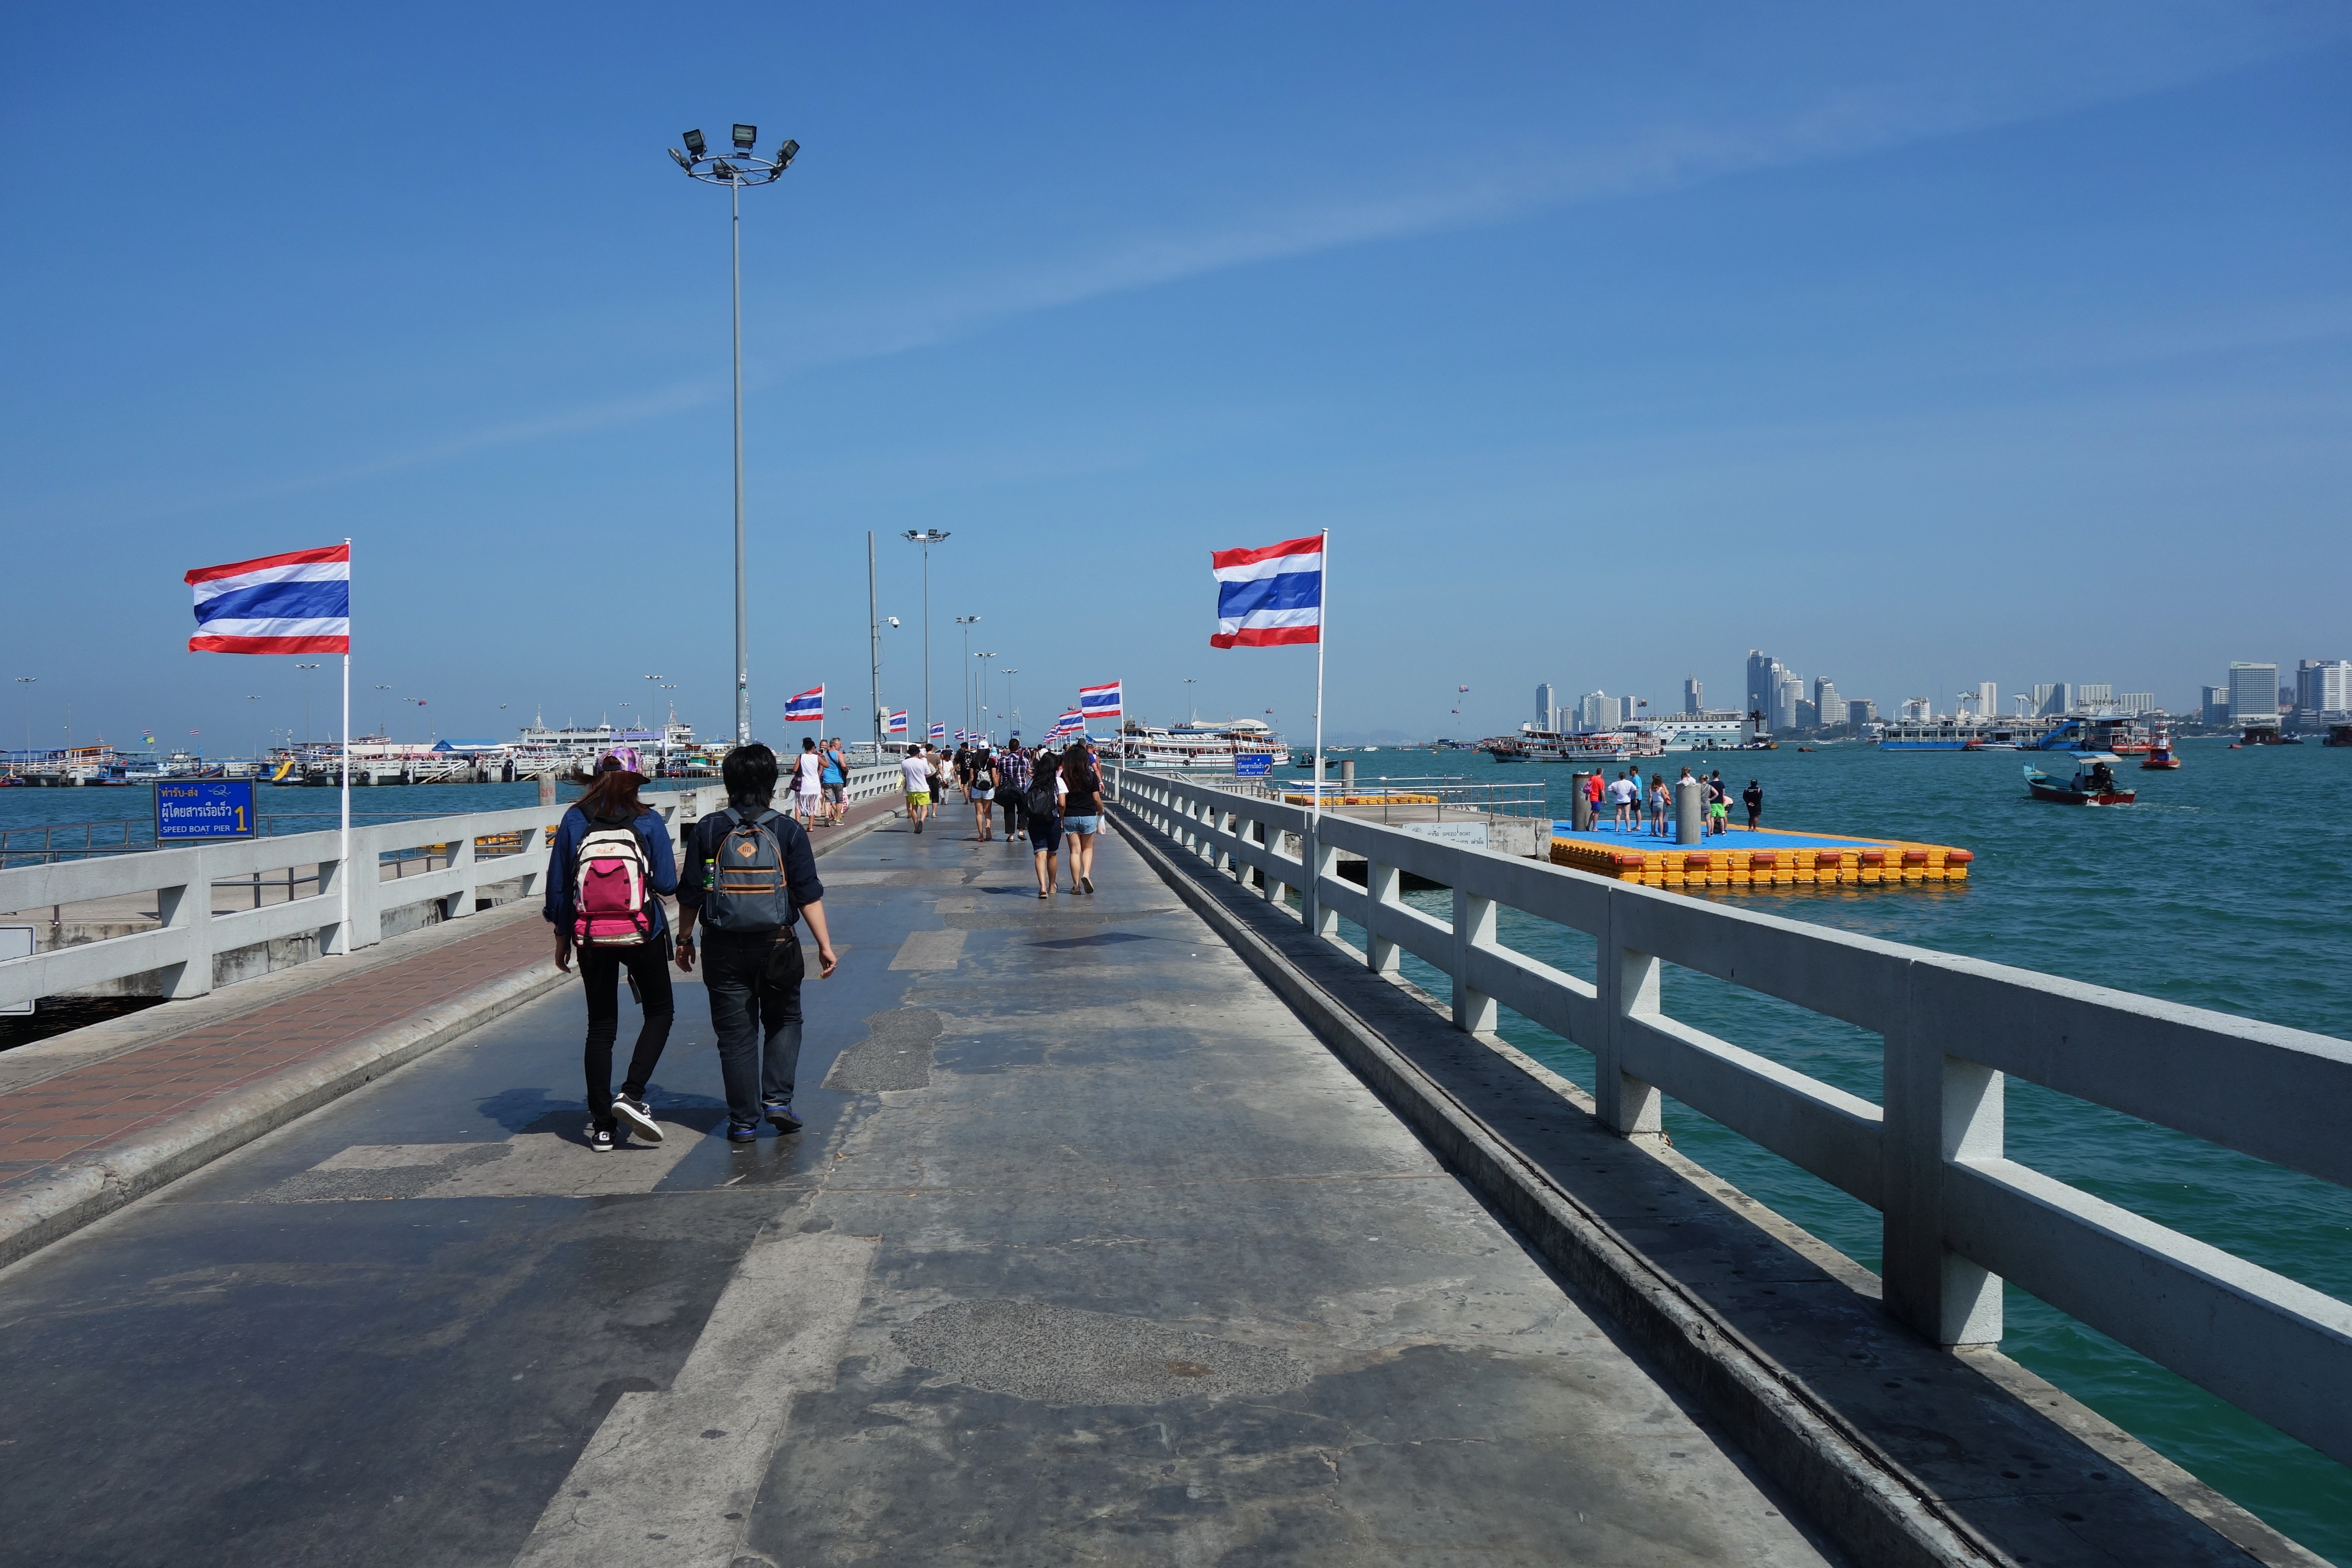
x: 1289, y: 591
x: 280, y: 602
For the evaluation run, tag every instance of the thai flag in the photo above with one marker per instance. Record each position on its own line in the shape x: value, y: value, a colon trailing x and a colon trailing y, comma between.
x: 1269, y: 595
x: 1099, y: 702
x: 299, y: 601
x: 940, y: 731
x: 808, y: 708
x: 1073, y: 722
x: 897, y: 724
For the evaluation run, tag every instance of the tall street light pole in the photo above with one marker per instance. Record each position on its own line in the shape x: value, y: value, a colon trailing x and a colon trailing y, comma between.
x: 24, y: 686
x: 983, y: 695
x: 736, y: 170
x: 966, y: 623
x: 306, y: 701
x: 925, y: 537
x: 1012, y: 714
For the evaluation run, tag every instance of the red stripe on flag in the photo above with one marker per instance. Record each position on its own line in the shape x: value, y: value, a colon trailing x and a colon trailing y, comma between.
x: 1266, y: 637
x: 291, y: 558
x: 269, y: 645
x: 1311, y: 545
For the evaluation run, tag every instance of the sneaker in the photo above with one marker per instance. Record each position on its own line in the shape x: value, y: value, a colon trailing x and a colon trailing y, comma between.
x: 781, y: 1117
x: 600, y: 1139
x: 639, y: 1116
x: 741, y: 1135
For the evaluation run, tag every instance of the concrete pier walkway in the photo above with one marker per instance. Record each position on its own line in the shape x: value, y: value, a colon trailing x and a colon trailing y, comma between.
x: 1090, y: 1252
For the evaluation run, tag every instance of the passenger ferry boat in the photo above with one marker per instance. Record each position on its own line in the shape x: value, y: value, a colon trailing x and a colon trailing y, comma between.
x: 1201, y: 744
x: 1955, y: 735
x: 1534, y: 745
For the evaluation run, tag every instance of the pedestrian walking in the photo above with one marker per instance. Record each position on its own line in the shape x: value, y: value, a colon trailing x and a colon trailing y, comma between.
x: 836, y: 779
x: 1081, y: 813
x: 1753, y: 798
x: 1012, y: 775
x: 1043, y: 806
x: 983, y: 793
x: 750, y: 878
x: 916, y: 770
x: 608, y: 869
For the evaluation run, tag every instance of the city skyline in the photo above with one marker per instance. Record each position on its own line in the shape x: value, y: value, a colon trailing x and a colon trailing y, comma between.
x: 1872, y: 338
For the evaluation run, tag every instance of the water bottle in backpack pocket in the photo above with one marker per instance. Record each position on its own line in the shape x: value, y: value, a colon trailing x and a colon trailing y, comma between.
x: 743, y: 885
x: 611, y: 893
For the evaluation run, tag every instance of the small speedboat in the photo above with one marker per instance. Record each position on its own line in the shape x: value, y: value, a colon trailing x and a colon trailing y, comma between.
x: 2093, y: 782
x: 2160, y: 754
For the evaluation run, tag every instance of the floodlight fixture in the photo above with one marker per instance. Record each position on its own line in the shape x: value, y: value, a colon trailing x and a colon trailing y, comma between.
x: 747, y: 136
x: 785, y: 155
x: 695, y: 144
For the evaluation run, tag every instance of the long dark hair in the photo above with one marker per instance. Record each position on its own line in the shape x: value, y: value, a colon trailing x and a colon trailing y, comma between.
x: 1074, y: 772
x: 612, y: 795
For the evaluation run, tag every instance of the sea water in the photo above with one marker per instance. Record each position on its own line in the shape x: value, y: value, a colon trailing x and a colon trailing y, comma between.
x: 2228, y: 886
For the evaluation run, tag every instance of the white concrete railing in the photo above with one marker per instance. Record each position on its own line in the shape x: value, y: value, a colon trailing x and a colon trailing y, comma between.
x: 1959, y: 1216
x: 482, y: 850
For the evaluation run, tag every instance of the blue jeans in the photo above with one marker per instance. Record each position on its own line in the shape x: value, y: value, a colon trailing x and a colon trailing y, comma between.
x: 754, y: 982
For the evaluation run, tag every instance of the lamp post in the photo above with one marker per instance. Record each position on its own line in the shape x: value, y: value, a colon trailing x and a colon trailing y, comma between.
x: 1010, y: 712
x: 966, y: 621
x: 983, y: 693
x: 382, y: 724
x: 24, y: 686
x: 925, y: 537
x: 251, y: 697
x: 736, y: 170
x: 306, y: 701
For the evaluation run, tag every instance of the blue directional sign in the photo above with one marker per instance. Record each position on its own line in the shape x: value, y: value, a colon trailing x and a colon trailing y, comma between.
x: 1252, y: 765
x: 206, y: 809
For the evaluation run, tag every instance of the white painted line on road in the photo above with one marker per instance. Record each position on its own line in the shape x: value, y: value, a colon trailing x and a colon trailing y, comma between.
x: 930, y: 950
x: 550, y: 1165
x: 669, y: 1479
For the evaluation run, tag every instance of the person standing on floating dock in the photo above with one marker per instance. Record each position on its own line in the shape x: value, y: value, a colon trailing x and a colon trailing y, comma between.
x: 1753, y: 798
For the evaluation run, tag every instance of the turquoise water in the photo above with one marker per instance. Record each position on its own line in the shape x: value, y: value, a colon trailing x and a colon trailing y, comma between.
x: 2226, y: 887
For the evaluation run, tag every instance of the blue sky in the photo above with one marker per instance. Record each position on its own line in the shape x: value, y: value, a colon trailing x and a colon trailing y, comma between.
x: 1914, y: 345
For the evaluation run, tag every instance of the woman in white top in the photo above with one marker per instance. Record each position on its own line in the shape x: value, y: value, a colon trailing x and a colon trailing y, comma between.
x: 808, y: 788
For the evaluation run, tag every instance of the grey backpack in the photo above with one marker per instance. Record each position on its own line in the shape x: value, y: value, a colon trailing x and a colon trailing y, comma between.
x: 743, y: 886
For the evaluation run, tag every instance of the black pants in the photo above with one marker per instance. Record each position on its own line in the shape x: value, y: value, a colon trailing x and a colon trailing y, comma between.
x: 754, y: 982
x: 600, y: 972
x: 1008, y: 801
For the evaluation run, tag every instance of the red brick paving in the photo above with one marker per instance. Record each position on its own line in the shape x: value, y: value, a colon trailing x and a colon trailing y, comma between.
x: 88, y: 1107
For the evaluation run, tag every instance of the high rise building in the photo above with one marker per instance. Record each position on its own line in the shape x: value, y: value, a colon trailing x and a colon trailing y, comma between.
x: 1547, y: 707
x: 2041, y: 696
x: 1785, y: 697
x: 1692, y: 691
x: 2253, y: 693
x: 1988, y: 699
x: 2094, y: 694
x: 1627, y: 709
x: 1861, y: 710
x: 2322, y: 685
x: 2213, y: 705
x: 1825, y: 700
x: 1764, y: 677
x: 2132, y: 704
x: 1598, y: 710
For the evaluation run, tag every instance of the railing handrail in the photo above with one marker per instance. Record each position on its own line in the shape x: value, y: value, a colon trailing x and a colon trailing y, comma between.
x: 1958, y: 1215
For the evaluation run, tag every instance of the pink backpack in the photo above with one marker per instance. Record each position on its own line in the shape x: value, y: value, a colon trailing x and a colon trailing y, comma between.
x: 609, y: 892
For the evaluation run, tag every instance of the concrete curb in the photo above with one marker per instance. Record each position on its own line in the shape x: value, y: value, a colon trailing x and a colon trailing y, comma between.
x: 84, y: 1190
x: 1856, y: 1492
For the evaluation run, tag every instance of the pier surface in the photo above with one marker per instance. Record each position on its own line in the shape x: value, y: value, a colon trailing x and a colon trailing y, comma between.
x: 1090, y: 1251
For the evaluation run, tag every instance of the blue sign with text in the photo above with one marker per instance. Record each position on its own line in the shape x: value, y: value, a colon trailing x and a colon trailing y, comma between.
x: 1252, y: 765
x: 211, y: 808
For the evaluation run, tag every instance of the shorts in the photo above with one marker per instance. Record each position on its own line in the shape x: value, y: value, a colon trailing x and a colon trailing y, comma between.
x: 983, y: 794
x: 1087, y: 824
x: 1045, y: 834
x: 833, y: 793
x: 919, y: 798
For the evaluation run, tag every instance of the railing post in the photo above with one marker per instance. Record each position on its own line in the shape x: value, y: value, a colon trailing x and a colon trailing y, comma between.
x: 189, y: 908
x: 1322, y: 860
x: 460, y: 904
x: 1938, y: 1110
x: 1629, y: 989
x: 366, y: 871
x: 1382, y: 957
x: 1474, y: 926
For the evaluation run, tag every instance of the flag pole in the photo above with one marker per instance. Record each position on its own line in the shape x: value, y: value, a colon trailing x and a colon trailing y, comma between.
x: 1311, y: 897
x: 344, y: 880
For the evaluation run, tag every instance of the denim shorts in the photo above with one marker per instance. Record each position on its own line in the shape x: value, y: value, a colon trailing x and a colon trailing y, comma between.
x: 1089, y: 825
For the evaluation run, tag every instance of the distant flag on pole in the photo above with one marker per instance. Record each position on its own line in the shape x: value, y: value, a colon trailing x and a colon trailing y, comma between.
x: 1270, y: 596
x: 897, y: 724
x: 1099, y: 702
x: 940, y: 731
x: 808, y: 708
x: 299, y: 601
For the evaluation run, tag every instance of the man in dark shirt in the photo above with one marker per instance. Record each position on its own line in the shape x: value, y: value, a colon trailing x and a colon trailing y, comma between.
x: 1752, y: 797
x: 754, y: 978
